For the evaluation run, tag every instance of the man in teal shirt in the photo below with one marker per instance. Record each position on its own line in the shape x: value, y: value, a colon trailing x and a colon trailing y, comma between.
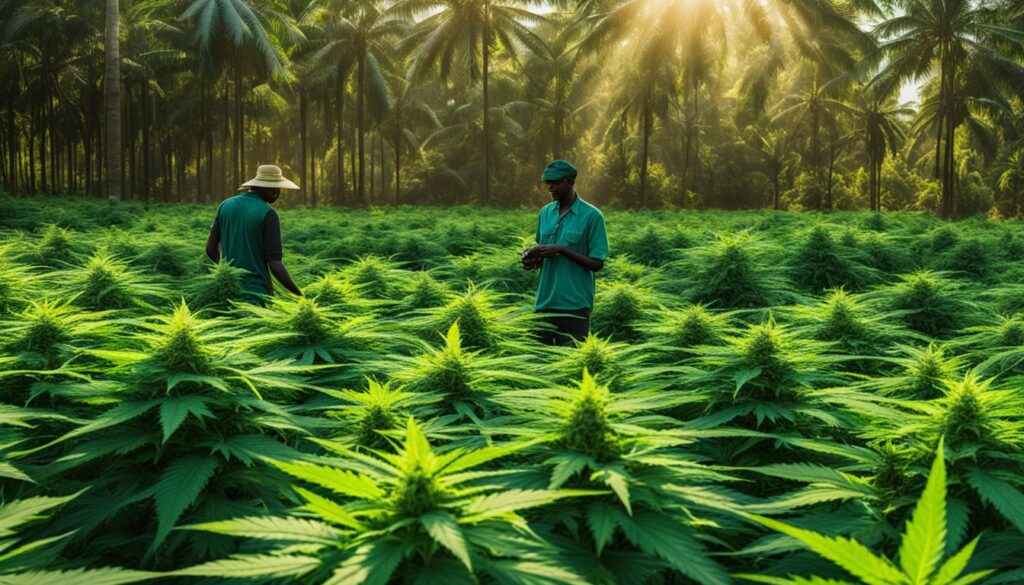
x: 572, y: 246
x: 247, y: 233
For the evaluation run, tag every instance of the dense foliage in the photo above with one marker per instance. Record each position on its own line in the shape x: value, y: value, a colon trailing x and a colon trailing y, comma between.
x: 399, y: 424
x: 839, y: 104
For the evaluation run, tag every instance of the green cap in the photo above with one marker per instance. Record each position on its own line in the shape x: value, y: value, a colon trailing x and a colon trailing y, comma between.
x: 558, y: 170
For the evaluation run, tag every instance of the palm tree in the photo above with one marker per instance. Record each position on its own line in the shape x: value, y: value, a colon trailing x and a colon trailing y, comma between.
x: 112, y: 99
x: 775, y: 146
x: 1011, y: 179
x: 443, y: 36
x: 240, y: 35
x: 644, y: 95
x: 879, y: 123
x: 811, y: 107
x: 359, y: 35
x: 562, y: 89
x: 942, y: 38
x: 409, y: 107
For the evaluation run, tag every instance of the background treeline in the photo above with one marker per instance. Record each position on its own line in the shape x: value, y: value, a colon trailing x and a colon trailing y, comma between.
x: 734, y: 104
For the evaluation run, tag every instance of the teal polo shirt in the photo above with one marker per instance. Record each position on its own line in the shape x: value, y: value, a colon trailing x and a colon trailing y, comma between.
x: 249, y: 233
x: 565, y: 284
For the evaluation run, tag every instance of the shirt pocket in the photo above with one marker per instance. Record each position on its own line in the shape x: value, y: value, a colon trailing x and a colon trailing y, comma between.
x: 574, y: 240
x: 547, y: 236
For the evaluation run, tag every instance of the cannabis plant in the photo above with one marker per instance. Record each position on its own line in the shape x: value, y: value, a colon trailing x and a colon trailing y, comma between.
x: 179, y: 434
x: 591, y: 438
x: 486, y: 321
x: 820, y: 263
x: 373, y: 414
x: 675, y: 333
x: 984, y: 438
x: 734, y: 272
x: 105, y: 283
x: 216, y: 289
x: 409, y: 514
x: 466, y: 379
x: 46, y: 334
x: 300, y: 329
x: 851, y: 323
x: 930, y: 303
x: 922, y: 553
x: 21, y: 555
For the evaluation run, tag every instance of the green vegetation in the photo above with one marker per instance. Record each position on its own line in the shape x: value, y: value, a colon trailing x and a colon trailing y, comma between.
x: 761, y: 399
x: 783, y: 104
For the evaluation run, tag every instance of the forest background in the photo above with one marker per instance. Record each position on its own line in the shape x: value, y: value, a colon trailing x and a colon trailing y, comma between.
x: 661, y: 103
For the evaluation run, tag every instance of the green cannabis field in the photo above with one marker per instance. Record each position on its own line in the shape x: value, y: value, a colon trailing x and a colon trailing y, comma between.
x: 765, y: 397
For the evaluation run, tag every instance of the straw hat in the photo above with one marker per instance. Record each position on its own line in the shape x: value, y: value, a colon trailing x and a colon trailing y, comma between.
x: 270, y: 176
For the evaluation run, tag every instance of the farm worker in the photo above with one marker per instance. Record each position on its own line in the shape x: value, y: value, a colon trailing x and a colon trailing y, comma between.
x: 572, y: 246
x: 248, y: 232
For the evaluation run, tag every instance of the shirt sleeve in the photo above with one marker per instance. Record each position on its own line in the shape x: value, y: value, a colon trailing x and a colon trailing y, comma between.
x: 272, y: 249
x: 536, y: 236
x: 598, y: 240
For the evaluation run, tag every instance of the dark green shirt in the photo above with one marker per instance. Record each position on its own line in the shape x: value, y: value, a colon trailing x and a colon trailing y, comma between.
x: 249, y: 233
x: 565, y: 284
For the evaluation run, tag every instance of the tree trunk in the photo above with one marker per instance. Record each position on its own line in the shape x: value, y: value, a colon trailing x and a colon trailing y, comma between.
x: 112, y: 99
x: 239, y: 157
x: 339, y: 195
x: 398, y: 163
x: 775, y: 186
x: 12, y: 148
x: 648, y: 122
x: 147, y: 175
x: 361, y: 128
x: 487, y: 103
x: 383, y: 179
x: 302, y: 143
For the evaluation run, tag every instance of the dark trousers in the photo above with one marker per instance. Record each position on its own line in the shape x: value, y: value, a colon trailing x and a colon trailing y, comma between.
x: 566, y: 326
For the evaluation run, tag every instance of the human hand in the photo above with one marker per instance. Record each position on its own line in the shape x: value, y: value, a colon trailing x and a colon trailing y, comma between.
x: 530, y: 259
x: 548, y: 251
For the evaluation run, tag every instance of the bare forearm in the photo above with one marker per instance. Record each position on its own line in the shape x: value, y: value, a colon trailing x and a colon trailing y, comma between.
x: 281, y: 274
x: 591, y: 264
x: 213, y: 249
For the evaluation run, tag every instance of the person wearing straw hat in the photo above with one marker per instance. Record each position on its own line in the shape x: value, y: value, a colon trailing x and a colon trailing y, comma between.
x: 572, y: 246
x: 247, y: 233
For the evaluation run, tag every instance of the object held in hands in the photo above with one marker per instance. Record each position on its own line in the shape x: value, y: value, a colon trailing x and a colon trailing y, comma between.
x: 531, y: 259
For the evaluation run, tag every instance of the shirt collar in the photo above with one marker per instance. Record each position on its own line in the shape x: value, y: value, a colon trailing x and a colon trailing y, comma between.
x: 572, y: 208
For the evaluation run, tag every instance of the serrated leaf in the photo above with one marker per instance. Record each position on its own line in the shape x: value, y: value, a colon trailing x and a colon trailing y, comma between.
x: 845, y: 552
x: 103, y: 576
x: 602, y: 520
x: 814, y: 473
x: 619, y: 484
x: 372, y: 564
x: 1000, y: 494
x: 338, y: 481
x: 925, y: 537
x: 511, y: 501
x: 955, y: 565
x: 250, y: 448
x: 566, y: 466
x: 123, y: 412
x: 443, y: 528
x: 18, y: 512
x: 11, y: 472
x: 530, y: 572
x: 284, y: 528
x: 327, y: 509
x: 253, y: 566
x: 180, y: 484
x: 175, y: 409
x: 743, y: 376
x: 658, y: 533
